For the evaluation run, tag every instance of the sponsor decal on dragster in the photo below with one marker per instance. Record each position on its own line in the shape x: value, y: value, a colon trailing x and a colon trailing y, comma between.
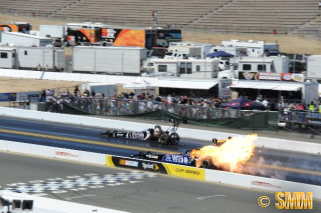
x: 178, y: 159
x: 138, y: 164
x: 149, y: 156
x: 136, y: 135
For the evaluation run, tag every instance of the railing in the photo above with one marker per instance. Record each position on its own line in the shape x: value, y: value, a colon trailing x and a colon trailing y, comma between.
x: 105, y: 107
x: 300, y: 116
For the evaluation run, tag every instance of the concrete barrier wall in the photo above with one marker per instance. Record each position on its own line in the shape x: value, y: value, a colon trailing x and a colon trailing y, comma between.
x: 272, y: 143
x: 234, y: 179
x: 261, y: 183
x: 70, y: 76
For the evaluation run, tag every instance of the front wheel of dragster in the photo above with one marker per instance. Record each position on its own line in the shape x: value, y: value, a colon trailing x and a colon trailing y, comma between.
x: 174, y: 138
x: 206, y: 164
x: 164, y: 138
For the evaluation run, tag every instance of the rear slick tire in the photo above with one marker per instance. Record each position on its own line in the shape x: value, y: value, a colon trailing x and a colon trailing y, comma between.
x: 163, y: 139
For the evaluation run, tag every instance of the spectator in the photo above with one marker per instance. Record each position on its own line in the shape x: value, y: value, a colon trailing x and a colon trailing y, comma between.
x: 312, y: 107
x: 42, y: 96
x: 169, y: 98
x: 265, y: 103
x: 158, y: 99
x: 86, y: 93
x: 93, y: 93
x: 280, y: 105
x: 301, y: 106
x: 76, y: 91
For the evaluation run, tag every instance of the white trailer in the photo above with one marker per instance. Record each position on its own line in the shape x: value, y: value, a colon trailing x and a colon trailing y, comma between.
x: 7, y: 57
x: 108, y: 89
x: 190, y: 50
x: 53, y: 31
x: 205, y: 48
x: 27, y: 40
x: 185, y: 68
x: 277, y: 64
x: 314, y: 67
x: 40, y: 57
x: 254, y: 49
x: 112, y: 60
x: 235, y: 51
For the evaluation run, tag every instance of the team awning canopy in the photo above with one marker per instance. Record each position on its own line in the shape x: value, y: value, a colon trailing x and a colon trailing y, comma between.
x: 280, y: 86
x: 182, y: 84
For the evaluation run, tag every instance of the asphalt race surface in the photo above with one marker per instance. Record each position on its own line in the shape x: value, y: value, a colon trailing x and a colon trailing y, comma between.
x: 292, y: 166
x: 126, y: 190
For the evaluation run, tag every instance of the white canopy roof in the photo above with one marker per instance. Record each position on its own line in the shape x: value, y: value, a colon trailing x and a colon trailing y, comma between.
x: 282, y: 86
x: 288, y: 87
x: 184, y: 84
x: 138, y: 83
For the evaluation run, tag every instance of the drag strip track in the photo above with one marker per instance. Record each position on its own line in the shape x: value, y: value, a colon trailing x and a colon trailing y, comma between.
x: 126, y: 190
x: 291, y: 166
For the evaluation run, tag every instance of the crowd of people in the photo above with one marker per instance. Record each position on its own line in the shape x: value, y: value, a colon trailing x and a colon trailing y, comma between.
x: 130, y: 103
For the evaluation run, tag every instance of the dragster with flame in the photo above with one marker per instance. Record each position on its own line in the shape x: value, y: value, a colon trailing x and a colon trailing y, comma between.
x: 227, y: 154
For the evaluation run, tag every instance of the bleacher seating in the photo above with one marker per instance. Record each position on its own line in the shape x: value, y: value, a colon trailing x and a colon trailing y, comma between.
x: 260, y: 16
x: 222, y: 16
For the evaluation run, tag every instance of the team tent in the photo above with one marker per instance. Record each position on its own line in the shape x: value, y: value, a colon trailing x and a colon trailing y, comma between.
x: 242, y: 103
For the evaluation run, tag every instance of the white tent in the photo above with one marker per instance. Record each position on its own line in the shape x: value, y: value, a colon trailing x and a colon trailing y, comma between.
x: 138, y: 83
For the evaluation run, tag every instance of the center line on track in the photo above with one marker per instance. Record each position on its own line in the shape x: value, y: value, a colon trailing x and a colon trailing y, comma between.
x: 202, y: 198
x: 69, y: 198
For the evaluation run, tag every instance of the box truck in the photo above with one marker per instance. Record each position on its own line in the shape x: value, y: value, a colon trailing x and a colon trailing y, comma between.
x: 22, y: 39
x: 111, y: 60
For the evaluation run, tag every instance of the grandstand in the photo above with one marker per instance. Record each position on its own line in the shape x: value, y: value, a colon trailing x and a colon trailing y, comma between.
x: 221, y: 16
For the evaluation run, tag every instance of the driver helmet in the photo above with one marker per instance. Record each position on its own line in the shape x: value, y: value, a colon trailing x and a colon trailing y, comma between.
x: 158, y: 130
x: 215, y: 141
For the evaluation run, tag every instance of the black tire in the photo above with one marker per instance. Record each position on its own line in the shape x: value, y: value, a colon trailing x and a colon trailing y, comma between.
x: 109, y: 134
x: 174, y: 138
x: 141, y: 155
x: 206, y: 164
x: 164, y: 138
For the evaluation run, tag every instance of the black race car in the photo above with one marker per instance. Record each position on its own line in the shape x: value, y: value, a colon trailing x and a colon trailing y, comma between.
x: 189, y: 158
x: 169, y: 136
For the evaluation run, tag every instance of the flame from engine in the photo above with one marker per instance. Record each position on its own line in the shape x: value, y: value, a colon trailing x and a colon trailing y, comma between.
x: 230, y: 155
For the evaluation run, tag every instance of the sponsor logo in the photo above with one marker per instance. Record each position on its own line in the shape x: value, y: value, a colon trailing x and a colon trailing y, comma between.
x: 150, y: 166
x: 66, y: 154
x: 137, y: 135
x: 187, y: 171
x: 181, y: 159
x: 289, y: 200
x: 128, y: 163
x: 111, y: 33
x: 152, y: 156
x: 264, y: 184
x: 269, y: 76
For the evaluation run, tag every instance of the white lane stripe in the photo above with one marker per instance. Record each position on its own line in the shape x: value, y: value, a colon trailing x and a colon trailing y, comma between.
x: 69, y: 198
x: 202, y: 198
